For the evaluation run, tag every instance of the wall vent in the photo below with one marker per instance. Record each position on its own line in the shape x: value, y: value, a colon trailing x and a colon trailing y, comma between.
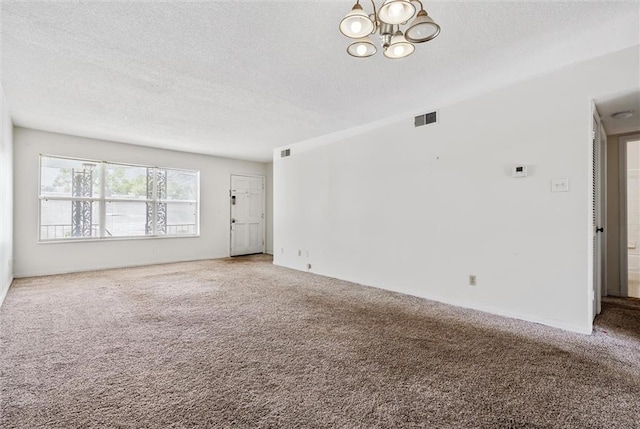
x: 285, y: 153
x: 426, y: 119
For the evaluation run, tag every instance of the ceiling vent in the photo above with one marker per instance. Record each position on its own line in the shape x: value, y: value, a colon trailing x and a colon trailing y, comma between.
x: 426, y: 119
x: 285, y: 153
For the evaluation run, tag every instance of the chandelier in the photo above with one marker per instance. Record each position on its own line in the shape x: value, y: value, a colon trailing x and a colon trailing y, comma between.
x: 387, y: 21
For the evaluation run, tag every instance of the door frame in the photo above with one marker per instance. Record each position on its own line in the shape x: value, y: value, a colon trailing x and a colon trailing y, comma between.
x: 603, y: 210
x: 622, y: 192
x: 264, y: 208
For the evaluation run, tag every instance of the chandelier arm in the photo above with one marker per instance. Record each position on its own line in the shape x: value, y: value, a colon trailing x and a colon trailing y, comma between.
x: 376, y: 21
x: 375, y: 12
x: 418, y: 1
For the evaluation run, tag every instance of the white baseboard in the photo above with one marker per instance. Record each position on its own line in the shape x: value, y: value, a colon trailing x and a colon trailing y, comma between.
x: 5, y: 291
x: 20, y: 275
x: 478, y: 307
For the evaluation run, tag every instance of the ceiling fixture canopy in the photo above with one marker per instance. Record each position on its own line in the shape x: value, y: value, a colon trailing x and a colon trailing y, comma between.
x: 388, y: 21
x: 623, y: 115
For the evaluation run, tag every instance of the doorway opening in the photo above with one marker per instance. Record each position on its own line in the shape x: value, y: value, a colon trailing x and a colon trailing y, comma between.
x: 630, y: 179
x: 247, y: 214
x: 620, y: 117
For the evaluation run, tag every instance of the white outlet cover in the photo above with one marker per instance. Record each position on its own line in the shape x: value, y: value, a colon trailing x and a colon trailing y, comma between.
x: 560, y: 185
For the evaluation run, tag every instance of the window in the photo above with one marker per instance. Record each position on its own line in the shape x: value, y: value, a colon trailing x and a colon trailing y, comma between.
x: 83, y: 199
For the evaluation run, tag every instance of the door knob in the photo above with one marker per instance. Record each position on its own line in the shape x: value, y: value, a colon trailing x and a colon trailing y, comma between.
x: 233, y: 221
x: 600, y: 229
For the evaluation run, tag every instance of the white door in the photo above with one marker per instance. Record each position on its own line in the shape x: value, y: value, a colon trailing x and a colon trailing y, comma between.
x: 598, y: 213
x: 247, y: 214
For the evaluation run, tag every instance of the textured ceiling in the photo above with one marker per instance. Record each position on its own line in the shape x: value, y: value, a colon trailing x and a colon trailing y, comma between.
x: 240, y: 78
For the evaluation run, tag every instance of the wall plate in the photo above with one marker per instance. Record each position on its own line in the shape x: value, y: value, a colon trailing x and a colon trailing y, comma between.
x: 560, y: 185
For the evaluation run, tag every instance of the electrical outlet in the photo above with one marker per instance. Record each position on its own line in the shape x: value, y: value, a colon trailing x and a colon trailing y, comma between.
x: 299, y: 252
x: 282, y: 250
x: 472, y: 280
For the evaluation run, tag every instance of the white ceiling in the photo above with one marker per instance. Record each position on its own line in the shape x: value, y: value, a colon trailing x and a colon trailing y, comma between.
x: 620, y: 103
x: 237, y: 79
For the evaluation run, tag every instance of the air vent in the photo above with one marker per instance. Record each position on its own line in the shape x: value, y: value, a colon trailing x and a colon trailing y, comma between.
x: 426, y: 119
x: 285, y: 153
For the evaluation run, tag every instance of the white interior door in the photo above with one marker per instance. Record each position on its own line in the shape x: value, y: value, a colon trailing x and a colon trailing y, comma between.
x: 247, y: 214
x: 598, y: 213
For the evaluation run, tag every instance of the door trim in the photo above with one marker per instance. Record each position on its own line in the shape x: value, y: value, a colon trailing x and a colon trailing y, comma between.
x: 604, y: 201
x: 622, y: 192
x: 264, y: 208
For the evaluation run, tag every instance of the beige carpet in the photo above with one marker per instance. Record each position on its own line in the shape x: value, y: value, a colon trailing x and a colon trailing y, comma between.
x: 241, y: 343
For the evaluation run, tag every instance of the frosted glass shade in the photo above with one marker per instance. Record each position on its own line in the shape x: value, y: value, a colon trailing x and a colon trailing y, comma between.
x: 399, y: 47
x: 396, y: 11
x: 362, y: 48
x: 422, y: 29
x: 356, y: 24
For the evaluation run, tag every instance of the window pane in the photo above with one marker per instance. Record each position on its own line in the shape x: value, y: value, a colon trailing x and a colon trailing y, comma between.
x: 173, y: 194
x: 124, y: 181
x: 126, y: 219
x: 180, y: 218
x: 68, y: 219
x: 67, y: 177
x: 180, y: 185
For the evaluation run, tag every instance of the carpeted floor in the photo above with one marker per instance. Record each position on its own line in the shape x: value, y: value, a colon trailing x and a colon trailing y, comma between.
x: 241, y: 343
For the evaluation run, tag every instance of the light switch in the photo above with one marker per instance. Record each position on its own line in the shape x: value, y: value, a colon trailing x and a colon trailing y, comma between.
x: 560, y: 185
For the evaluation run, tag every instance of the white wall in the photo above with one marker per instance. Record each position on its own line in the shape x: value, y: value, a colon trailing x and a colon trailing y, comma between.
x: 32, y: 258
x: 269, y: 207
x: 417, y: 210
x: 6, y: 198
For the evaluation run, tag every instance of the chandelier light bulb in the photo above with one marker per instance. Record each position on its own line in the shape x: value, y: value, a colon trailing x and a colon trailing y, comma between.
x: 356, y: 24
x: 399, y: 47
x: 420, y: 32
x: 422, y: 29
x: 362, y: 48
x: 396, y: 11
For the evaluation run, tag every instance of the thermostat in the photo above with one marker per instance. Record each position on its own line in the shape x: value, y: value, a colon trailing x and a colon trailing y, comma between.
x: 519, y: 171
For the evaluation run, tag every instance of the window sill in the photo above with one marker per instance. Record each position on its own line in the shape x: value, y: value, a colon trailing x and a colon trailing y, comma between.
x: 105, y: 239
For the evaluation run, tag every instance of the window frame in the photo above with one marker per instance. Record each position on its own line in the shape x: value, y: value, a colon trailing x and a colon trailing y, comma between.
x: 102, y: 201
